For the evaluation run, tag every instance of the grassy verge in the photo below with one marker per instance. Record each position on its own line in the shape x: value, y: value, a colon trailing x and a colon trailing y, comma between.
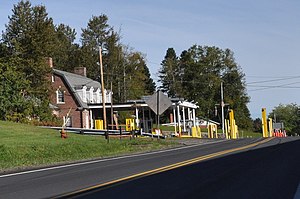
x: 249, y: 134
x: 24, y: 146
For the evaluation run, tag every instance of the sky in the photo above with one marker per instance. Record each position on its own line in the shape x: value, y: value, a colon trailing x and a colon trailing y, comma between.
x: 263, y: 34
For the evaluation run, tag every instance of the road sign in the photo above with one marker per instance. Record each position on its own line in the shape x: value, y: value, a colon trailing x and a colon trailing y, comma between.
x: 158, y: 102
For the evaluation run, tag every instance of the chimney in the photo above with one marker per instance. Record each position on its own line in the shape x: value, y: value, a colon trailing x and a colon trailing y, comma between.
x: 49, y: 62
x: 80, y: 71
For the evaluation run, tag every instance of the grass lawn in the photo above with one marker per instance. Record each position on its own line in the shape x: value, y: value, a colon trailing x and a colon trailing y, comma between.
x: 24, y: 146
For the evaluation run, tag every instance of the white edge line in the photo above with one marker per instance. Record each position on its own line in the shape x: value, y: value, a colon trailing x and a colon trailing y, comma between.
x: 105, y: 160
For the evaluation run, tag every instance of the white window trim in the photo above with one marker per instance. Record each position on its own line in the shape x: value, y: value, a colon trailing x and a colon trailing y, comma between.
x: 57, y: 98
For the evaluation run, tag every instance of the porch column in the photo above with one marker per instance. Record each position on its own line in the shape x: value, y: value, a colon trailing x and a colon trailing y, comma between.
x: 194, y: 117
x: 91, y: 119
x: 174, y: 116
x: 189, y: 114
x: 85, y: 119
x: 179, y: 124
x: 183, y: 115
x: 137, y: 117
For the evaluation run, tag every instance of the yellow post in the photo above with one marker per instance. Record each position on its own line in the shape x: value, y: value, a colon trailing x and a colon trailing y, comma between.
x: 232, y: 124
x: 270, y: 127
x: 234, y: 130
x: 199, y: 132
x: 179, y: 130
x: 215, y: 128
x: 264, y: 122
x: 99, y: 124
x: 209, y: 131
x: 196, y: 132
x: 226, y: 129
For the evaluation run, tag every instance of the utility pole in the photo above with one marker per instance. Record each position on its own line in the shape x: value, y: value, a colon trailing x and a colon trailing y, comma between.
x: 102, y: 88
x: 157, y: 109
x: 222, y: 107
x: 111, y: 108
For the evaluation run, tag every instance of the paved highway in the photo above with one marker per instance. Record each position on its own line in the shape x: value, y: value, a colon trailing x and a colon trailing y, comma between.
x: 225, y: 169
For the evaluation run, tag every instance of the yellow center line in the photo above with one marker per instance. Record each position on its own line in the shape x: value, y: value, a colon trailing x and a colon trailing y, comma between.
x: 169, y: 167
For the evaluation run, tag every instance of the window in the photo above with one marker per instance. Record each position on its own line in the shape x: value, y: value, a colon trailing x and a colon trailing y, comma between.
x: 60, y: 96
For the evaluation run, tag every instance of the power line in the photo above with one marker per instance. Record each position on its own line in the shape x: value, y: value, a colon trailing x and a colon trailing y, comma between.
x: 274, y: 80
x: 276, y: 86
x: 273, y: 77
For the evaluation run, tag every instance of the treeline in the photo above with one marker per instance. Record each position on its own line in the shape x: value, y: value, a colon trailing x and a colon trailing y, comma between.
x: 197, y: 75
x: 31, y: 35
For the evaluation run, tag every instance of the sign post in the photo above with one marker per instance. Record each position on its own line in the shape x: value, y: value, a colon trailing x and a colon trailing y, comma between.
x: 158, y: 103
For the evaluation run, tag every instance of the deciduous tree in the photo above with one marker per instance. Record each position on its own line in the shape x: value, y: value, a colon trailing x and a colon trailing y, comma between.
x: 289, y: 114
x: 201, y: 69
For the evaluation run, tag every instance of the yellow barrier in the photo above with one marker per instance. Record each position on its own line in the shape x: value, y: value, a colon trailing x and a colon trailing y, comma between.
x: 196, y: 132
x: 212, y: 131
x: 264, y: 122
x: 99, y: 124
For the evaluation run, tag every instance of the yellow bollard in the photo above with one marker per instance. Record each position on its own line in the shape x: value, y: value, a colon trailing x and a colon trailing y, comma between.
x: 196, y: 132
x: 199, y: 132
x: 264, y: 122
x: 232, y: 124
x: 99, y: 124
x: 270, y: 127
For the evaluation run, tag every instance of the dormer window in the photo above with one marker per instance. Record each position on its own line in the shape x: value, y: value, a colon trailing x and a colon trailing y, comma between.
x: 60, y: 96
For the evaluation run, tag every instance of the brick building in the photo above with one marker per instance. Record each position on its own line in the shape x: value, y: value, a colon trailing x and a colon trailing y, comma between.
x: 75, y: 92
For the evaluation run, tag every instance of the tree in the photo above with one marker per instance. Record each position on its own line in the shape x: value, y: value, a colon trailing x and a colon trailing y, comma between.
x: 67, y: 53
x: 235, y: 94
x: 124, y: 68
x: 30, y: 33
x: 290, y: 116
x: 95, y: 35
x: 169, y: 74
x: 30, y: 37
x: 149, y: 83
x: 257, y: 125
x: 201, y: 69
x: 13, y: 87
x: 137, y: 79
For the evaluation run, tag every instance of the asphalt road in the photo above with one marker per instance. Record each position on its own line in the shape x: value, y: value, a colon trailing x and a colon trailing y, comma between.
x: 269, y: 170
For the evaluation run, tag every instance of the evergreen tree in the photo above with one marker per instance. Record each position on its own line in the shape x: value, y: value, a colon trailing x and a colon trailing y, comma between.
x: 137, y: 78
x: 30, y: 37
x: 125, y: 69
x: 169, y: 74
x: 95, y: 35
x: 150, y: 85
x: 30, y: 33
x: 67, y: 53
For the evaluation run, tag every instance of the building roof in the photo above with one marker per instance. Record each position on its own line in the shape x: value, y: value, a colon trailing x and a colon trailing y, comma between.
x: 78, y: 81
